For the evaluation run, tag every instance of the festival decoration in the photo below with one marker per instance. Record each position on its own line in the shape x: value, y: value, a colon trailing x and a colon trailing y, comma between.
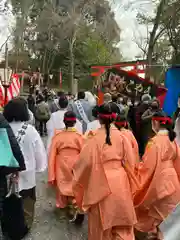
x: 172, y: 83
x: 13, y: 90
x: 128, y: 83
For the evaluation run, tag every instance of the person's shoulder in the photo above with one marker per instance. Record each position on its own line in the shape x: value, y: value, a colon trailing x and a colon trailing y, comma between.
x: 32, y: 132
x: 151, y: 143
x: 3, y: 122
x: 78, y: 121
x: 76, y: 132
x: 54, y: 114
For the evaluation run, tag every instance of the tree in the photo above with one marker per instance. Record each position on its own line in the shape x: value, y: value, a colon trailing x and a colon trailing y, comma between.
x: 54, y: 33
x: 163, y: 39
x: 171, y: 22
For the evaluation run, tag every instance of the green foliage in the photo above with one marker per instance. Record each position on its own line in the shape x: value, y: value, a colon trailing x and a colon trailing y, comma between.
x: 71, y: 35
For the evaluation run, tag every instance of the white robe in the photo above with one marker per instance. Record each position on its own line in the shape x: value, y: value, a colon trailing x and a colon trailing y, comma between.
x: 93, y: 126
x: 56, y: 122
x: 90, y: 98
x: 31, y: 118
x: 34, y: 154
x: 177, y: 130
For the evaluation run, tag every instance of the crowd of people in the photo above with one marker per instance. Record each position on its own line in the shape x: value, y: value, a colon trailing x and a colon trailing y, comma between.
x: 118, y: 162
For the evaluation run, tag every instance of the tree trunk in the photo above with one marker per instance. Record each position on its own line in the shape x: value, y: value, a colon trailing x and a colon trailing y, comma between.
x: 71, y: 56
x: 44, y: 62
x: 153, y: 39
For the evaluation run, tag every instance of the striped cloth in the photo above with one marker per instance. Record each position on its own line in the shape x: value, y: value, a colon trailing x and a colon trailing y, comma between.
x: 13, y: 90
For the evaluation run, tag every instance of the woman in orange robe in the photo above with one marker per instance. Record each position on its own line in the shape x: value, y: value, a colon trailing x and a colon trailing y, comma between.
x: 64, y: 152
x: 122, y: 125
x: 159, y: 178
x: 93, y: 126
x: 103, y: 186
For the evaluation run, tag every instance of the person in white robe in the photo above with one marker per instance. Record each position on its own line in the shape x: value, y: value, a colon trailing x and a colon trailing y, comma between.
x: 90, y: 98
x: 31, y: 118
x: 56, y: 122
x: 32, y: 149
x: 94, y: 125
x: 177, y: 130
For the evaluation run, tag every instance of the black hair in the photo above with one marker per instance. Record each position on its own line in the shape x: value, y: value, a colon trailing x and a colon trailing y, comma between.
x: 167, y: 125
x: 41, y: 98
x: 114, y: 98
x: 105, y: 109
x: 69, y: 119
x: 81, y: 95
x: 60, y: 93
x: 63, y: 102
x: 155, y: 105
x: 120, y: 119
x: 95, y: 112
x: 114, y: 107
x: 16, y: 110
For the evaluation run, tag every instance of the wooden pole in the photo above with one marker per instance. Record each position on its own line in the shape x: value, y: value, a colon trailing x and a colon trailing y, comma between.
x: 6, y: 80
x: 6, y: 64
x: 60, y: 78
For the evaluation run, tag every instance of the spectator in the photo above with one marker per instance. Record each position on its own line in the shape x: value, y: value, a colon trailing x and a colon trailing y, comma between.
x: 42, y: 115
x: 94, y: 125
x: 82, y: 109
x: 57, y: 120
x: 33, y: 151
x: 4, y: 171
x: 31, y: 102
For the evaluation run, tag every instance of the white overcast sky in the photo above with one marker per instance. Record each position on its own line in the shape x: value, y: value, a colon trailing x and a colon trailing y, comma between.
x: 126, y: 18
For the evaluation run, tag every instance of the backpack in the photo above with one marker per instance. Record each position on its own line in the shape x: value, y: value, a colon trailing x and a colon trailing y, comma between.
x: 42, y: 113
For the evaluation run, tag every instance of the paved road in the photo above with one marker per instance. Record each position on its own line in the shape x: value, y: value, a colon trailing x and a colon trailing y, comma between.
x: 49, y: 225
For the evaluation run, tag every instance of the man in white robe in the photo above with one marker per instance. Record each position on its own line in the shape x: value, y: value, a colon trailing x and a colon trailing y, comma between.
x: 56, y: 122
x: 94, y: 125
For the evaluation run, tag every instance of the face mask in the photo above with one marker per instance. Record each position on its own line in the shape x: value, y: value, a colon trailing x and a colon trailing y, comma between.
x: 129, y: 103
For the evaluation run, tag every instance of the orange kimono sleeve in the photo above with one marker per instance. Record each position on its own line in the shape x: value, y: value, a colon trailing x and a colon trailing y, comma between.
x: 148, y: 165
x: 147, y: 173
x: 88, y: 176
x: 129, y: 163
x: 52, y: 160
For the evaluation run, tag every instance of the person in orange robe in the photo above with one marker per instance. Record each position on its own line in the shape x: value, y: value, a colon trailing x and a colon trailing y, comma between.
x: 159, y: 178
x: 103, y: 184
x: 93, y: 126
x: 122, y: 124
x: 64, y: 152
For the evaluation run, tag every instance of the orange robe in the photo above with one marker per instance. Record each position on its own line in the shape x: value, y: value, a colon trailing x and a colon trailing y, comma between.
x: 102, y: 186
x: 127, y: 133
x: 64, y: 152
x: 160, y: 187
x: 89, y: 134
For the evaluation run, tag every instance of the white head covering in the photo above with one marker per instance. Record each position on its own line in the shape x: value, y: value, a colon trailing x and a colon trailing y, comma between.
x: 90, y: 98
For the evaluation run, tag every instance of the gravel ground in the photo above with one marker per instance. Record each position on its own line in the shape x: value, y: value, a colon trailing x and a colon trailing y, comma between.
x: 48, y: 224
